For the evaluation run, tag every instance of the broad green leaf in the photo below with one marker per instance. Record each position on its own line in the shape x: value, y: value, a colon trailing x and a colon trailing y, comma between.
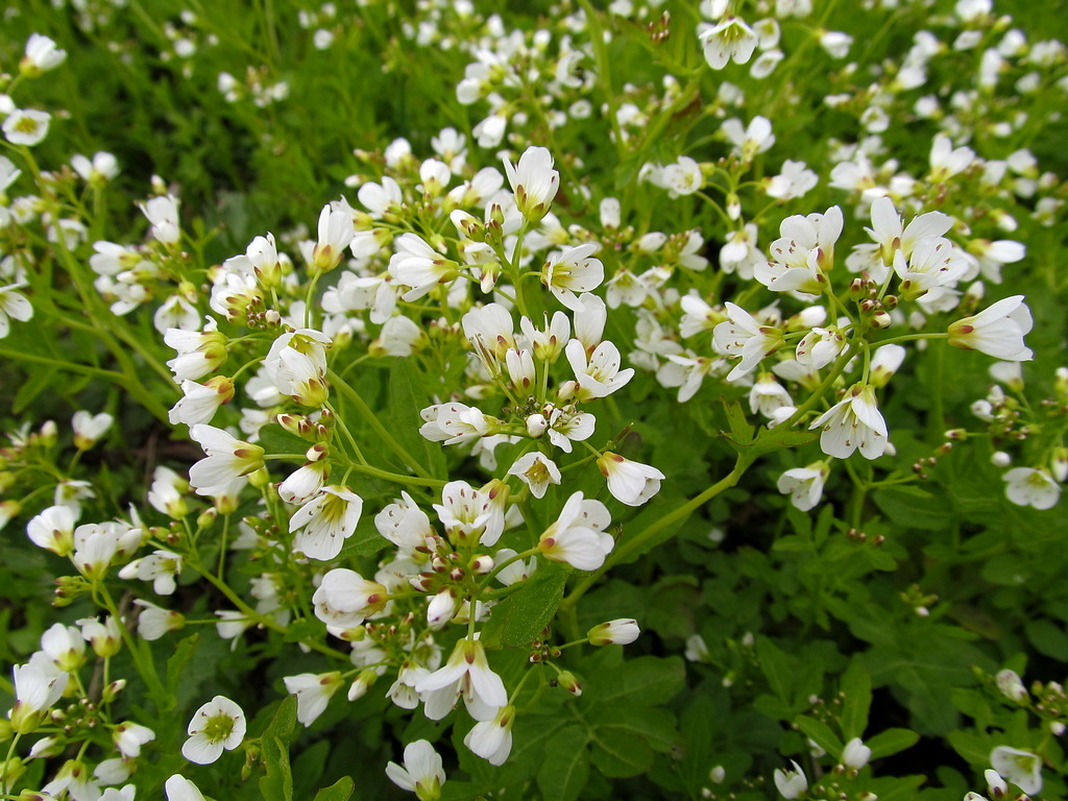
x: 341, y: 790
x: 891, y: 741
x: 1048, y: 638
x: 566, y: 767
x: 646, y: 680
x: 275, y: 439
x: 820, y: 733
x: 407, y: 397
x: 620, y: 754
x: 855, y: 688
x: 769, y: 440
x: 654, y: 725
x: 776, y: 668
x: 521, y: 617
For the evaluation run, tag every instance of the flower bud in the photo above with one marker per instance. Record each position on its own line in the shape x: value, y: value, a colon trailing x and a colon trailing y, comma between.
x: 1011, y: 686
x: 569, y: 682
x: 622, y: 631
x: 855, y: 755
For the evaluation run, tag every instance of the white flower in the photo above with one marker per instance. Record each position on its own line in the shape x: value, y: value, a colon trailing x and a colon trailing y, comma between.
x: 179, y: 788
x: 751, y: 140
x: 855, y: 755
x: 26, y: 126
x: 155, y: 621
x: 853, y: 423
x: 313, y: 692
x: 1030, y: 486
x: 422, y: 772
x: 886, y: 230
x: 1011, y: 686
x: 804, y: 485
x: 404, y: 524
x: 537, y: 471
x: 632, y: 483
x: 296, y: 365
x: 159, y: 567
x: 162, y: 213
x: 344, y: 598
x: 534, y: 182
x: 1022, y: 768
x: 622, y: 631
x: 802, y: 254
x: 335, y: 232
x: 12, y: 305
x: 470, y: 515
x: 42, y: 55
x: 217, y: 726
x: 129, y: 737
x: 37, y: 687
x: 577, y: 537
x: 228, y: 458
x: 791, y: 783
x: 418, y: 265
x: 492, y: 739
x: 466, y: 673
x: 199, y: 352
x: 53, y: 529
x: 199, y: 402
x: 325, y: 522
x: 743, y: 335
x: 88, y: 428
x: 997, y: 330
x: 573, y: 270
x: 730, y: 39
x: 599, y: 376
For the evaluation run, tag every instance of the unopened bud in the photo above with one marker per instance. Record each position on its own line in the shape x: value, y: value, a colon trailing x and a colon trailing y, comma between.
x: 569, y: 682
x: 112, y: 691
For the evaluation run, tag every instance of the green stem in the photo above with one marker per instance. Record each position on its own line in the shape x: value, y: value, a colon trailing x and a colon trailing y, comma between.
x: 634, y: 545
x: 372, y: 419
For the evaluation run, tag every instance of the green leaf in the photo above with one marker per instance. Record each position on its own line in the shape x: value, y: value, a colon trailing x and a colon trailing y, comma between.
x: 407, y: 397
x: 891, y: 741
x: 855, y: 688
x: 285, y: 718
x: 740, y: 431
x: 178, y: 661
x: 566, y: 767
x: 1048, y: 639
x: 275, y: 439
x: 620, y: 754
x: 519, y: 619
x: 647, y: 681
x: 776, y: 668
x: 340, y: 790
x: 769, y: 440
x: 820, y: 733
x: 655, y: 726
x: 278, y: 783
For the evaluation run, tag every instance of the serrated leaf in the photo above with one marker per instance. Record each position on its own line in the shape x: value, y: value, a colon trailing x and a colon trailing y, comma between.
x: 619, y: 754
x: 647, y: 681
x: 566, y: 767
x: 341, y: 790
x: 855, y: 688
x: 820, y: 733
x: 891, y: 741
x: 740, y: 430
x: 520, y: 618
x: 275, y: 439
